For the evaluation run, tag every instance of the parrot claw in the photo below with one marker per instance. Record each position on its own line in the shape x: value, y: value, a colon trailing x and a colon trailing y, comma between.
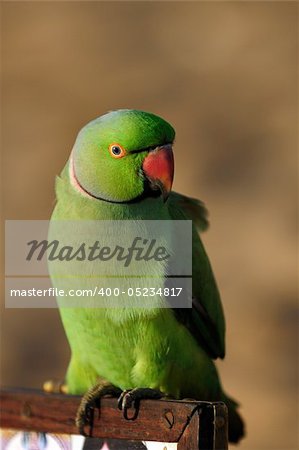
x: 132, y: 397
x: 90, y: 401
x: 85, y: 418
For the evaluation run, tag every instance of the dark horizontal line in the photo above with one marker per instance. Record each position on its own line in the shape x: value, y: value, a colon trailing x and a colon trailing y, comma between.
x: 97, y: 276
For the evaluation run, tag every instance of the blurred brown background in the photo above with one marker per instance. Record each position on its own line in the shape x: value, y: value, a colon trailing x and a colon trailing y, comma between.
x: 225, y: 75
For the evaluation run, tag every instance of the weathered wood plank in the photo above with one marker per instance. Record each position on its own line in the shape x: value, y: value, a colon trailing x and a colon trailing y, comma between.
x: 191, y: 424
x: 39, y: 411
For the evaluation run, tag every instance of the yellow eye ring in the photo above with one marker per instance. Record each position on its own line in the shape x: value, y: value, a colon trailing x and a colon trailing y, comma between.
x: 117, y: 151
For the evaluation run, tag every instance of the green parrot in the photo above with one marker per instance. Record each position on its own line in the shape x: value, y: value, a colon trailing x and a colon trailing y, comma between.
x: 121, y: 168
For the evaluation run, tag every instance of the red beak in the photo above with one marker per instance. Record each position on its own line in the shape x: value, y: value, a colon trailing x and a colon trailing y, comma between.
x: 158, y: 168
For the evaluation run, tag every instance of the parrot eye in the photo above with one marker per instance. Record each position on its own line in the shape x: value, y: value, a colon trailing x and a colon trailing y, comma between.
x: 117, y: 151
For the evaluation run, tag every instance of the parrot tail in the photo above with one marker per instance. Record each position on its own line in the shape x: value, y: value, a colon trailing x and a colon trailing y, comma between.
x: 236, y: 427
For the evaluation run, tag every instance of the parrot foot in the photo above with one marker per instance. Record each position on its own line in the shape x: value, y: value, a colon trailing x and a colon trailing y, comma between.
x: 132, y: 397
x: 55, y: 387
x: 91, y: 400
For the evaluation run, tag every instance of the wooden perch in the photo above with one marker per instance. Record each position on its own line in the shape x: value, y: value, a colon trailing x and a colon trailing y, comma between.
x: 193, y: 425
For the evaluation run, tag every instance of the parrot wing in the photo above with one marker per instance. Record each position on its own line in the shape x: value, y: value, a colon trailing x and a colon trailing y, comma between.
x: 192, y: 208
x: 205, y: 320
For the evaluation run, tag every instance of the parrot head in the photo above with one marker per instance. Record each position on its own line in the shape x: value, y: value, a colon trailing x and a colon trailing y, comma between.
x: 123, y: 156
